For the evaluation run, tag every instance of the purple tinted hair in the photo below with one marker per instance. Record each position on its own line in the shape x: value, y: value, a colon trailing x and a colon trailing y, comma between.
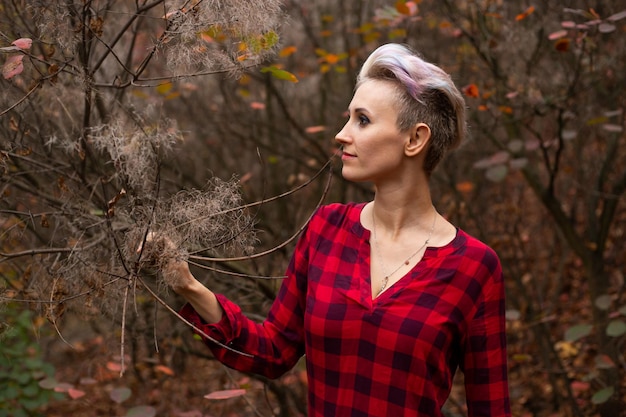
x: 427, y: 95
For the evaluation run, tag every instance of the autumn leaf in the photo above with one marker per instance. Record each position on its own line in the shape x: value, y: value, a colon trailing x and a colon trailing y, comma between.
x: 506, y: 109
x: 226, y: 394
x: 525, y: 14
x: 562, y: 45
x: 315, y: 129
x: 164, y: 369
x: 164, y: 88
x: 280, y: 74
x: 287, y: 51
x: 557, y: 35
x: 471, y: 90
x: 402, y: 7
x: 257, y: 105
x: 23, y: 43
x: 75, y: 393
x: 465, y: 187
x: 13, y: 66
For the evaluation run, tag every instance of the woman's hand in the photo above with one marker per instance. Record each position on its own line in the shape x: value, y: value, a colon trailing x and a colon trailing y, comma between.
x: 172, y: 263
x: 161, y: 253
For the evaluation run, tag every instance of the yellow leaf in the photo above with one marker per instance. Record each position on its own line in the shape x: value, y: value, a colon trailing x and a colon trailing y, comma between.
x: 164, y: 88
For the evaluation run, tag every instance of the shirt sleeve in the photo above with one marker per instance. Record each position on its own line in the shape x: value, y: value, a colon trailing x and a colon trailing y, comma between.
x: 484, y: 360
x: 272, y: 347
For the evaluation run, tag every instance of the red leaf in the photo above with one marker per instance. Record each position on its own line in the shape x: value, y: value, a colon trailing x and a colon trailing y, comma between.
x: 562, y: 45
x: 63, y: 387
x: 13, y: 66
x: 471, y: 90
x: 75, y: 393
x: 223, y: 395
x: 557, y: 35
x: 23, y: 43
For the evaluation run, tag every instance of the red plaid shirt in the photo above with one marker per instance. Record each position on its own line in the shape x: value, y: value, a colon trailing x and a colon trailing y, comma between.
x: 391, y: 356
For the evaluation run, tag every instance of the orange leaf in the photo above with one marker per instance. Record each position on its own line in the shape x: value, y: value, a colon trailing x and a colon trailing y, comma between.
x: 465, y: 187
x: 287, y: 51
x: 526, y: 13
x: 471, y: 90
x: 402, y: 7
x: 506, y: 109
x: 206, y: 37
x: 13, y: 66
x: 332, y: 58
x: 164, y: 369
x: 223, y: 395
x: 114, y: 366
x: 482, y: 107
x: 315, y: 129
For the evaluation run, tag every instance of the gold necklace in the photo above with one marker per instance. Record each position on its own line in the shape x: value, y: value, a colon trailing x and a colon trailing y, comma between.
x: 407, y: 261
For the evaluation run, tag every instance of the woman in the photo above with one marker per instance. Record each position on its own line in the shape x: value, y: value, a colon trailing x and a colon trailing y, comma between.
x: 387, y: 298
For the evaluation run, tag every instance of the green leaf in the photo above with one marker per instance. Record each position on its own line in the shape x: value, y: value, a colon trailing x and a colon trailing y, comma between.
x: 141, y: 411
x: 119, y: 395
x: 497, y: 173
x: 616, y: 328
x: 603, y: 395
x: 577, y: 332
x: 280, y: 74
x: 603, y: 302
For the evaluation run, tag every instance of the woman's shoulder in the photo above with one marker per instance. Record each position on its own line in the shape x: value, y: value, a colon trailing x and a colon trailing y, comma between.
x: 475, y: 250
x: 338, y: 215
x: 339, y: 210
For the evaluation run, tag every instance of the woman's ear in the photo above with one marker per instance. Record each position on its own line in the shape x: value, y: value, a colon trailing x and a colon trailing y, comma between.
x: 418, y: 141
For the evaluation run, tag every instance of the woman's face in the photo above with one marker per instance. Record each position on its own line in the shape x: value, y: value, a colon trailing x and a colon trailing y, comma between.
x: 372, y: 144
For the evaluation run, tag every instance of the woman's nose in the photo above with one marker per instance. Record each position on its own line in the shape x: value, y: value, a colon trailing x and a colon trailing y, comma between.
x: 342, y: 136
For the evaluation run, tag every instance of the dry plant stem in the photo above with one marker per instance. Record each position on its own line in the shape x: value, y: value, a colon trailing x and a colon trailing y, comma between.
x: 181, y: 318
x: 276, y: 197
x: 54, y: 320
x: 122, y: 338
x: 234, y: 274
x: 47, y: 251
x: 274, y: 249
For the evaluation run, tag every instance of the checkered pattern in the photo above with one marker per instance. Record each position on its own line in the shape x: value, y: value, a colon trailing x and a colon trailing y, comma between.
x: 394, y: 355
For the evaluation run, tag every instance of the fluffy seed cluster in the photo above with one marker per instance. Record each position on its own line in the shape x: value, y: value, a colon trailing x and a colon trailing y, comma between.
x: 212, y: 220
x: 135, y: 150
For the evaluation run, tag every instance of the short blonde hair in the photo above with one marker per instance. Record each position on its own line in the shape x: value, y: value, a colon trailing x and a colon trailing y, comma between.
x: 426, y: 94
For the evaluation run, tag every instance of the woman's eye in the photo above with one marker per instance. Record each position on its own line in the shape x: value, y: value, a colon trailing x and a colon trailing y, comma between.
x: 363, y: 120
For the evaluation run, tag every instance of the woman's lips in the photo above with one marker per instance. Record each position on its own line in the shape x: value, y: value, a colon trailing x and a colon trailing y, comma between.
x: 346, y: 155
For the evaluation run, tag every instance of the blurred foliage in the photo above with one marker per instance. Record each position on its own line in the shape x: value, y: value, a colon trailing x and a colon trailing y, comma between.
x: 22, y: 365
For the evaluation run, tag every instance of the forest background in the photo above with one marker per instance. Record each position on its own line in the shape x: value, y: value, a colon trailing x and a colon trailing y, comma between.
x: 213, y: 123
